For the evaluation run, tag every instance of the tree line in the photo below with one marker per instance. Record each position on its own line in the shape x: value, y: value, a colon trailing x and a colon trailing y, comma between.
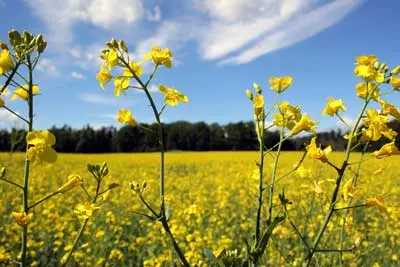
x: 179, y: 135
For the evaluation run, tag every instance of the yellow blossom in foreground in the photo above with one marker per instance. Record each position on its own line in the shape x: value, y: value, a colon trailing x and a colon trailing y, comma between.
x: 363, y: 91
x: 160, y: 56
x: 73, y: 181
x: 304, y: 124
x: 333, y: 106
x: 6, y: 62
x: 316, y: 152
x: 85, y: 210
x: 135, y: 68
x: 40, y: 149
x: 23, y: 92
x: 395, y: 82
x: 386, y: 151
x: 377, y: 127
x: 121, y: 83
x: 389, y: 109
x: 103, y: 76
x: 125, y: 116
x: 365, y: 69
x: 280, y: 84
x: 111, y: 58
x: 172, y: 96
x: 377, y: 202
x: 258, y: 103
x: 21, y: 218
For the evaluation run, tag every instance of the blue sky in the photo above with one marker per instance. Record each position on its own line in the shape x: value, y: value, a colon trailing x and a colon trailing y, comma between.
x: 220, y: 47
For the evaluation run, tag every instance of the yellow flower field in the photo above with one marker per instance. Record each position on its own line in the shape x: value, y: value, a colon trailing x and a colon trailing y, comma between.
x: 213, y: 199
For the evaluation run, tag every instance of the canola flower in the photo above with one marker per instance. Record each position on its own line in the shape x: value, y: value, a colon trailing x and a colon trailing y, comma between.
x: 160, y: 56
x: 172, y: 97
x: 125, y: 116
x: 23, y: 92
x: 333, y: 106
x: 6, y: 61
x: 40, y: 149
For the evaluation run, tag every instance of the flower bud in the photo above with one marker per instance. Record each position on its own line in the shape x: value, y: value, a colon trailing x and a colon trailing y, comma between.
x: 42, y: 46
x: 257, y: 88
x: 122, y: 45
x: 28, y: 37
x: 3, y: 172
x: 73, y: 181
x: 249, y: 94
x: 376, y: 65
x: 14, y: 37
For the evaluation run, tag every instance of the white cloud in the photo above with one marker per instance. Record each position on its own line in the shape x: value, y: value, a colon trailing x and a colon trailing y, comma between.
x: 152, y: 89
x: 103, y: 99
x: 77, y: 75
x: 8, y: 120
x: 47, y: 65
x: 156, y: 16
x: 61, y: 15
x: 296, y: 30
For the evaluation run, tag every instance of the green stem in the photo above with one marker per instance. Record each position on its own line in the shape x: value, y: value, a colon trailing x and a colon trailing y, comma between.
x: 342, y: 120
x: 75, y: 242
x: 260, y: 180
x: 10, y: 77
x: 338, y: 182
x: 27, y: 165
x: 275, y: 168
x: 11, y: 182
x: 15, y: 114
x: 162, y: 163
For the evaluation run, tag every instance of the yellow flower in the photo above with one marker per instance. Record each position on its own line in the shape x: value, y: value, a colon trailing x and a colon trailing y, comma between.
x: 135, y: 67
x: 160, y: 56
x: 23, y: 92
x: 280, y: 84
x: 333, y: 106
x: 377, y: 202
x: 73, y: 181
x: 258, y: 103
x: 366, y: 60
x: 111, y: 58
x: 85, y: 210
x: 40, y: 149
x: 376, y: 127
x: 104, y: 76
x: 121, y: 83
x: 304, y: 124
x: 125, y: 116
x: 363, y: 91
x: 316, y: 152
x: 21, y: 218
x: 386, y: 151
x: 395, y: 81
x: 389, y: 109
x: 289, y: 115
x: 6, y: 62
x: 365, y: 69
x: 172, y: 96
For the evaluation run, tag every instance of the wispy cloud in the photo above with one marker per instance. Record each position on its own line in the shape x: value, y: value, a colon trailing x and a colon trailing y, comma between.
x: 103, y: 99
x: 295, y: 30
x: 8, y: 120
x: 77, y: 75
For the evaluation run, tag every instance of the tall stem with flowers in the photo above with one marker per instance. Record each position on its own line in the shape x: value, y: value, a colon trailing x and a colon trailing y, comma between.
x: 116, y: 55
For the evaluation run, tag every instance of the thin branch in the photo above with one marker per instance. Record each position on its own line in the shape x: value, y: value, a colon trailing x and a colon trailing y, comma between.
x: 11, y: 182
x: 44, y: 199
x: 15, y: 114
x: 351, y: 207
